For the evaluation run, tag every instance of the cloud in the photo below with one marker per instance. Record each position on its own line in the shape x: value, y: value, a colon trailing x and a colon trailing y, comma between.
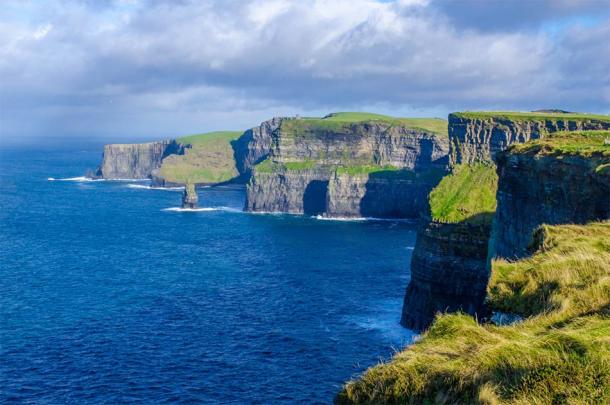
x: 189, y: 65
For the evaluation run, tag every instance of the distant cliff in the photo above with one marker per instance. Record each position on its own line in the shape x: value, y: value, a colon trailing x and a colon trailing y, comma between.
x: 135, y: 161
x: 341, y: 166
x: 478, y: 136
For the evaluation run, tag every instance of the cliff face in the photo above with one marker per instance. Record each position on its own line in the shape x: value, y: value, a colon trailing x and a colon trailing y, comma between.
x: 536, y: 188
x: 254, y: 145
x: 448, y: 272
x: 371, y: 169
x: 383, y: 194
x: 478, y: 138
x: 135, y: 161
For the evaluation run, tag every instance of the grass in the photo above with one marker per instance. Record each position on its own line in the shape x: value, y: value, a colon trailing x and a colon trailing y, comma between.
x: 470, y: 190
x: 527, y: 116
x: 581, y: 143
x: 209, y: 159
x: 361, y: 170
x: 560, y: 354
x: 269, y: 166
x: 342, y: 123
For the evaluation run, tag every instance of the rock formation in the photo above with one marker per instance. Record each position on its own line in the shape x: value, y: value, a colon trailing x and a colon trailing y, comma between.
x: 479, y: 136
x: 536, y: 187
x: 189, y: 196
x: 370, y: 168
x: 254, y: 146
x: 135, y: 161
x: 448, y: 272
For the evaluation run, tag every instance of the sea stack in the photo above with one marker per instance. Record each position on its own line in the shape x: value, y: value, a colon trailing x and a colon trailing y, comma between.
x: 189, y: 196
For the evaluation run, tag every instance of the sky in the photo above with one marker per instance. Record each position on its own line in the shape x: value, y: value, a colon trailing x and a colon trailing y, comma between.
x: 131, y: 70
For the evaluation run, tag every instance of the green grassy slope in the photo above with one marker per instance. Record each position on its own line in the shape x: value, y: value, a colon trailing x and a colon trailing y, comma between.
x: 209, y: 160
x: 526, y: 116
x: 470, y: 190
x: 561, y: 354
x: 342, y: 121
x: 582, y: 143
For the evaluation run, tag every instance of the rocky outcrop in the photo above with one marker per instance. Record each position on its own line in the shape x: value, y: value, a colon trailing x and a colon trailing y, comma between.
x: 535, y: 188
x: 254, y: 145
x: 448, y: 272
x: 189, y: 197
x: 479, y: 138
x: 348, y: 170
x: 135, y: 161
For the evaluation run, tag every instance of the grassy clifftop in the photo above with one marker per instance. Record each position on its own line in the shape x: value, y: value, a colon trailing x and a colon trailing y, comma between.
x: 338, y: 122
x: 530, y: 116
x: 209, y: 159
x: 579, y: 143
x: 561, y: 354
x: 468, y: 192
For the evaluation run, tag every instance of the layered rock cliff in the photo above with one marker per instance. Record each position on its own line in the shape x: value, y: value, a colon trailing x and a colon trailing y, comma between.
x: 340, y: 168
x: 254, y: 145
x: 543, y: 184
x: 135, y: 161
x: 448, y: 272
x: 477, y: 137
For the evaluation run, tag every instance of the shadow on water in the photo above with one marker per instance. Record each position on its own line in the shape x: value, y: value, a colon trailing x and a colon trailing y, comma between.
x: 314, y: 198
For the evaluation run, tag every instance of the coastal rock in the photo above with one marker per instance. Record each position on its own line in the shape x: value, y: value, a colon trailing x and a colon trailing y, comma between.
x: 135, y: 161
x: 254, y: 145
x: 480, y: 139
x: 535, y: 189
x: 189, y: 197
x: 448, y: 272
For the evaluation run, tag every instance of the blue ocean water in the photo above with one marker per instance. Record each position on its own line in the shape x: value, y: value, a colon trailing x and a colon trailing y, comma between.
x: 107, y: 297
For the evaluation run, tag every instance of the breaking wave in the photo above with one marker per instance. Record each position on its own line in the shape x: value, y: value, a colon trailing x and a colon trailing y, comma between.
x: 141, y: 186
x: 202, y: 209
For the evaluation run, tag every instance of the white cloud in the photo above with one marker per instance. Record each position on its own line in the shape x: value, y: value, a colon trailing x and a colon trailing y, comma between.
x: 171, y: 59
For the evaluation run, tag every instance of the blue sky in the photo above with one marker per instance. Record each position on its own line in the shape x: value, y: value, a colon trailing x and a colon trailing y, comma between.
x: 128, y: 70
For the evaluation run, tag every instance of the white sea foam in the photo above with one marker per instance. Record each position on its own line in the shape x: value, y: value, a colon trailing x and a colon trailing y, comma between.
x: 202, y: 209
x: 384, y: 317
x: 141, y: 186
x: 357, y: 219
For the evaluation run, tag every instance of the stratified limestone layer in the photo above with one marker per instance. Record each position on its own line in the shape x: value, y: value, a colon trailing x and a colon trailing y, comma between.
x: 477, y: 137
x: 135, y: 161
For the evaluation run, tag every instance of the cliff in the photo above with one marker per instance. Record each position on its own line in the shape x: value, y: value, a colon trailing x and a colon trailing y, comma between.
x: 135, y: 161
x: 346, y: 166
x: 478, y: 136
x: 254, y: 145
x: 557, y: 180
x: 449, y: 262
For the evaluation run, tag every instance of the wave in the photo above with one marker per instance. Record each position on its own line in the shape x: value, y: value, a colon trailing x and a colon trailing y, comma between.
x: 384, y: 319
x: 358, y: 219
x: 202, y: 209
x: 141, y: 186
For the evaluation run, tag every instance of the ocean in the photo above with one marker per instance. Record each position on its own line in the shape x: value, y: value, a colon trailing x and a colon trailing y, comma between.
x: 110, y: 294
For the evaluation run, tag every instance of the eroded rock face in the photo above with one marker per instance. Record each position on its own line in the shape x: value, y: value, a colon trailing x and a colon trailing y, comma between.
x: 479, y: 140
x: 535, y: 190
x: 254, y: 145
x: 448, y: 272
x: 319, y: 189
x: 379, y: 195
x: 291, y: 191
x: 135, y: 161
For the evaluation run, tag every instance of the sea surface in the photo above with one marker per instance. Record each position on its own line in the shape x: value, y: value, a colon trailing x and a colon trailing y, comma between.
x: 109, y: 294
